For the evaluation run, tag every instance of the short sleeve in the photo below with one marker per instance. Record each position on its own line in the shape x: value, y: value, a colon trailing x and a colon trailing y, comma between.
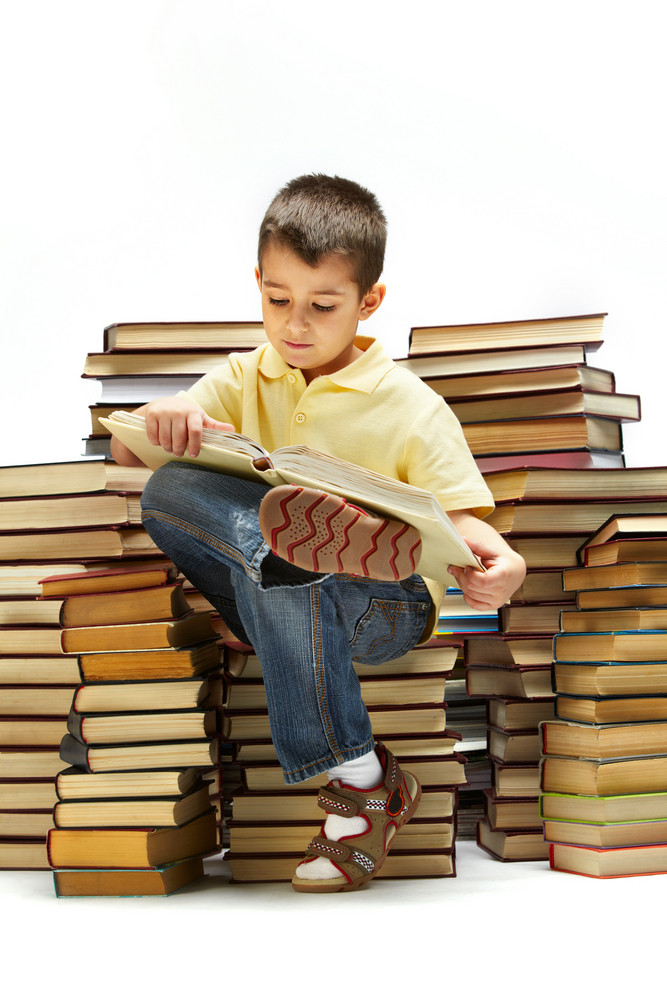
x: 437, y: 457
x: 220, y: 393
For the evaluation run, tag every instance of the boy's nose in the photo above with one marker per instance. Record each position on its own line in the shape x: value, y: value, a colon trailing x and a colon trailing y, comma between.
x: 297, y: 322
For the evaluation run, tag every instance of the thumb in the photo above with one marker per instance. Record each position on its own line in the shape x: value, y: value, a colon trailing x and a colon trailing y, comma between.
x: 216, y: 425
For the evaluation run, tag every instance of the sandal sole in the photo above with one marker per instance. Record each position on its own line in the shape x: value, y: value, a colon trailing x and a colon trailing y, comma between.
x: 322, y: 533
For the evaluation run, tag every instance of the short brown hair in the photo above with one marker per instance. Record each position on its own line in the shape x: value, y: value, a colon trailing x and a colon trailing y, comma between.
x: 315, y: 216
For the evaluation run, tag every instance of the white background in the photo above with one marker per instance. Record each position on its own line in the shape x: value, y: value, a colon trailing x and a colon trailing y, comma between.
x: 518, y: 150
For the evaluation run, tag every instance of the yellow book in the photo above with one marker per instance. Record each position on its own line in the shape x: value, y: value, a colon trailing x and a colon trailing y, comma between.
x: 238, y: 455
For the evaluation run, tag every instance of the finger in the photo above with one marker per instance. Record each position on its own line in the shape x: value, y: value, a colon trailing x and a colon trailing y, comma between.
x: 194, y: 434
x: 179, y: 435
x: 217, y: 425
x: 152, y: 429
x: 164, y: 432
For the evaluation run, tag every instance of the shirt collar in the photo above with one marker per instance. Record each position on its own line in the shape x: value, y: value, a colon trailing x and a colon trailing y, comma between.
x: 363, y: 374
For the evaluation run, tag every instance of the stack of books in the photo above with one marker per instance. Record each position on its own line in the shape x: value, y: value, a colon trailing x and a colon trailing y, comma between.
x: 143, y: 361
x: 604, y: 763
x: 272, y: 823
x: 133, y: 813
x: 525, y: 389
x: 545, y: 429
x: 54, y: 518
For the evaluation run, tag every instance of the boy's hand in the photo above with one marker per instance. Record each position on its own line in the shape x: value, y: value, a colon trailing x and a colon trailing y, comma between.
x: 176, y: 424
x: 505, y: 571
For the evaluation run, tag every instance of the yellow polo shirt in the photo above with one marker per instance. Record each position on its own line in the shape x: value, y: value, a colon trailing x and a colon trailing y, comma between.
x: 372, y: 412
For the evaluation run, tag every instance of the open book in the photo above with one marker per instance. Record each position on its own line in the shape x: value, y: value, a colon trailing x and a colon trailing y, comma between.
x: 238, y: 455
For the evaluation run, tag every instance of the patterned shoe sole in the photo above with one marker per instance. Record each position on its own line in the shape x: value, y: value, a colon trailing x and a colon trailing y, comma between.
x: 323, y: 533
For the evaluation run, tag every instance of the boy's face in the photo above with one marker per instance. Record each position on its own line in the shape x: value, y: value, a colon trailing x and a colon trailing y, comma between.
x: 311, y: 313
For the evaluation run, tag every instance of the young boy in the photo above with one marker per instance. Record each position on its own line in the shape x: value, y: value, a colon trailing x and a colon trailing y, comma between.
x: 288, y: 569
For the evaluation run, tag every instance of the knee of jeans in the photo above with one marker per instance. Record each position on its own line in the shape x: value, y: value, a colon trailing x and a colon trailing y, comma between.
x: 164, y: 485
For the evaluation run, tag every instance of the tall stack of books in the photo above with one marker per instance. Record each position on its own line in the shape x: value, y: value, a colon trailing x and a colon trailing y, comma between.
x: 604, y: 763
x: 53, y: 518
x: 143, y: 361
x: 545, y: 429
x: 133, y: 814
x: 272, y: 823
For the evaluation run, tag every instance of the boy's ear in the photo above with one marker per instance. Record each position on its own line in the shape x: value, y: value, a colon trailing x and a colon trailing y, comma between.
x: 372, y: 300
x: 258, y: 277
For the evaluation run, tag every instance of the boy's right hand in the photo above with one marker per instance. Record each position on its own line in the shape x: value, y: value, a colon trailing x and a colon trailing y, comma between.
x: 176, y: 424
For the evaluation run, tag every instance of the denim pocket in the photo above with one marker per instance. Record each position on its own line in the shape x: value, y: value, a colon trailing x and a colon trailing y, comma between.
x: 388, y: 629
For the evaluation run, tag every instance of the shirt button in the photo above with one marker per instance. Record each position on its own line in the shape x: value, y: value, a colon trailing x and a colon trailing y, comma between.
x: 291, y: 377
x: 300, y: 417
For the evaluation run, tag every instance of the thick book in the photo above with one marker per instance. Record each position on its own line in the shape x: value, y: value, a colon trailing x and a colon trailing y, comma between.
x: 25, y: 824
x: 405, y: 745
x: 159, y: 881
x: 614, y: 576
x: 527, y: 619
x: 186, y: 631
x: 419, y: 661
x: 606, y: 834
x: 508, y: 682
x: 148, y: 696
x: 616, y: 776
x: 568, y: 458
x: 166, y: 601
x: 513, y: 747
x: 512, y: 845
x: 183, y: 335
x: 516, y: 781
x: 602, y: 809
x: 141, y: 727
x: 577, y: 484
x: 34, y: 794
x: 385, y: 721
x: 131, y: 848
x: 610, y: 679
x: 409, y: 689
x: 610, y: 862
x: 555, y: 403
x: 585, y: 329
x: 600, y: 711
x: 439, y: 364
x: 23, y: 855
x: 236, y: 454
x: 624, y: 739
x: 42, y: 701
x: 76, y: 784
x: 542, y: 435
x: 632, y: 619
x: 508, y: 651
x: 89, y: 476
x: 638, y: 596
x: 137, y: 756
x: 630, y: 525
x: 30, y: 762
x: 167, y: 663
x: 542, y: 551
x: 510, y: 814
x: 301, y: 806
x: 522, y: 380
x: 542, y: 586
x: 270, y: 837
x: 602, y: 647
x: 112, y: 542
x: 111, y: 364
x: 620, y: 550
x: 132, y: 812
x: 399, y: 864
x: 31, y: 731
x: 70, y: 511
x: 107, y: 580
x: 566, y: 517
x: 516, y: 715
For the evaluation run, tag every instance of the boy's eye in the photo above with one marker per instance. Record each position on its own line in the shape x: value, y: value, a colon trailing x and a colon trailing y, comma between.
x: 277, y: 302
x: 323, y: 309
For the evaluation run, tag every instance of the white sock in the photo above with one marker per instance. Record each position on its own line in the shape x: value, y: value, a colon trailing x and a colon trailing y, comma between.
x: 364, y: 772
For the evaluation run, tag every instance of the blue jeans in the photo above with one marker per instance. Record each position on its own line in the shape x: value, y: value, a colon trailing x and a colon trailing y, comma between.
x: 306, y: 628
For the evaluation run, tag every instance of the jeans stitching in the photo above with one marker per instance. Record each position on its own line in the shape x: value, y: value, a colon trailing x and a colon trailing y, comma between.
x: 203, y: 536
x: 316, y: 632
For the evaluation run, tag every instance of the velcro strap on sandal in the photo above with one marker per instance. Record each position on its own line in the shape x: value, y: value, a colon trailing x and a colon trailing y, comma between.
x: 341, y: 853
x: 392, y: 772
x: 340, y: 803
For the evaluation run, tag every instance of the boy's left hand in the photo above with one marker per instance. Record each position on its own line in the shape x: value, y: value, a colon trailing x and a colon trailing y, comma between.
x: 505, y: 571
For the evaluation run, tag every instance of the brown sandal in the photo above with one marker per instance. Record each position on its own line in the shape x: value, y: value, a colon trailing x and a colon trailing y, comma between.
x: 324, y: 533
x: 386, y: 809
